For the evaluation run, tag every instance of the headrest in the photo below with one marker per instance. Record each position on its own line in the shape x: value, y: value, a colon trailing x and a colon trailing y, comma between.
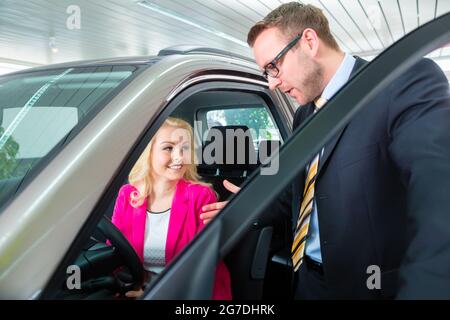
x: 229, y: 147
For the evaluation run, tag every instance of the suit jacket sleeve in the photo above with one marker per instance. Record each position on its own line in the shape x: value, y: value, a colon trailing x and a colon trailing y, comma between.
x: 419, y: 145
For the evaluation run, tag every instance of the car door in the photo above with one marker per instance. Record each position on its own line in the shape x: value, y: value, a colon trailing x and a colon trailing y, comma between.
x: 191, y: 274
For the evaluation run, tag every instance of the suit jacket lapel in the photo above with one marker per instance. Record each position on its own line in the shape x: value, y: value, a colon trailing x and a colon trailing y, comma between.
x: 331, y: 144
x: 328, y: 150
x: 178, y: 213
x: 329, y: 147
x: 297, y: 190
x: 303, y: 113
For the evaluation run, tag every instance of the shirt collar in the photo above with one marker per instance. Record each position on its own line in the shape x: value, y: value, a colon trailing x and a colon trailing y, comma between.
x: 340, y: 77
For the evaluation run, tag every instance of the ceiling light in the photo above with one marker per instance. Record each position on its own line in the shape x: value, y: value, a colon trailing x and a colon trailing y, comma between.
x: 173, y: 15
x: 52, y: 45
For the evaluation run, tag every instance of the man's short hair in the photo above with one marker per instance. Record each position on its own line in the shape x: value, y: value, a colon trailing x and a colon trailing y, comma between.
x: 291, y: 19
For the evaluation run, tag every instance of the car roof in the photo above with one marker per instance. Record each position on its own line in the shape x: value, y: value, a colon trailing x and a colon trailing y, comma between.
x: 96, y: 62
x: 187, y: 49
x: 169, y: 51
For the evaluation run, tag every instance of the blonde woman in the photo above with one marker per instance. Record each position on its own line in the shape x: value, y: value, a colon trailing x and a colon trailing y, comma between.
x: 159, y: 210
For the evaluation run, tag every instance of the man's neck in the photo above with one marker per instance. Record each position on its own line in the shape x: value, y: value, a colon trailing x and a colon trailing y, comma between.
x: 330, y: 60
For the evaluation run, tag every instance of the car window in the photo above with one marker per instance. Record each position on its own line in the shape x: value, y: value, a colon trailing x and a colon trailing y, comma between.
x: 228, y: 114
x: 40, y: 129
x: 38, y: 111
x: 256, y: 118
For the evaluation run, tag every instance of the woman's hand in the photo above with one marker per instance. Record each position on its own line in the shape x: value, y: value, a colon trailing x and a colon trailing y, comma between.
x: 134, y: 294
x: 211, y: 210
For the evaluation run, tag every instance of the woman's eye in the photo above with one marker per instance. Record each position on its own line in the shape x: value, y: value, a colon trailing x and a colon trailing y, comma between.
x: 168, y: 148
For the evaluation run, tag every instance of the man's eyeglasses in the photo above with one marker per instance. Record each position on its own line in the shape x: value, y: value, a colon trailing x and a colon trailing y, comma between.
x: 271, y: 68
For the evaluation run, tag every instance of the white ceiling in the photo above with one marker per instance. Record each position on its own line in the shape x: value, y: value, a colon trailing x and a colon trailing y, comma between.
x: 112, y: 28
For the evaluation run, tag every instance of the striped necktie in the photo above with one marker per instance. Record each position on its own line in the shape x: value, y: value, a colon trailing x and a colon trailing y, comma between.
x: 306, y: 207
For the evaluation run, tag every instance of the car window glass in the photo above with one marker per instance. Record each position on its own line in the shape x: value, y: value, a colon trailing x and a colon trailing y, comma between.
x: 40, y: 129
x: 38, y: 111
x: 220, y: 112
x: 257, y: 119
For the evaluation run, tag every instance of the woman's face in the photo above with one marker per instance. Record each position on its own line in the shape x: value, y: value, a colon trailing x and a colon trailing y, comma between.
x: 171, y: 153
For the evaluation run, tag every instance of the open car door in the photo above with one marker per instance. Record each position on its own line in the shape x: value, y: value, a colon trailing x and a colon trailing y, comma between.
x: 191, y: 275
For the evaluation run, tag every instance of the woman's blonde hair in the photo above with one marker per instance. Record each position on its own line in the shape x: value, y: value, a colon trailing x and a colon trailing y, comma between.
x: 140, y: 176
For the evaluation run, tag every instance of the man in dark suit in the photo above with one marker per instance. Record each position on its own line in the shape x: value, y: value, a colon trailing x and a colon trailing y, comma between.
x: 371, y: 212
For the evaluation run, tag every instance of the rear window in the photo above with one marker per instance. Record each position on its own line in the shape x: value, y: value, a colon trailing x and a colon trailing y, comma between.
x: 39, y: 111
x: 257, y: 118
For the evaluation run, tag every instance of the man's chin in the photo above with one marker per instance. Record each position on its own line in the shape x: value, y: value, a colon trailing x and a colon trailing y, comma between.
x: 298, y: 98
x: 301, y: 101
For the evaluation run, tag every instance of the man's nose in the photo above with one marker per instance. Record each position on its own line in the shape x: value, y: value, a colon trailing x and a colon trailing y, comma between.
x: 273, y: 83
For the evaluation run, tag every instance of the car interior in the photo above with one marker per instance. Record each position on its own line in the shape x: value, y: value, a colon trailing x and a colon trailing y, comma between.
x: 110, y: 269
x: 248, y: 261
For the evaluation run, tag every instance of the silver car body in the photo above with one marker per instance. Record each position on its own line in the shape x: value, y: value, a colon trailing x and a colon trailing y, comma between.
x: 39, y: 225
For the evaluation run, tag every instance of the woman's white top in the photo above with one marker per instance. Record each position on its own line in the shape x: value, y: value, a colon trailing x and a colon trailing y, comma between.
x: 156, y: 228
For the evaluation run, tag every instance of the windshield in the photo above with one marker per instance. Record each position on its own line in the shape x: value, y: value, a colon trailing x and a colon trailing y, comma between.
x: 40, y: 110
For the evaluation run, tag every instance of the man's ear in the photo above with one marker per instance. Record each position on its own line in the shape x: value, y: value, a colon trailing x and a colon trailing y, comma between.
x: 311, y: 42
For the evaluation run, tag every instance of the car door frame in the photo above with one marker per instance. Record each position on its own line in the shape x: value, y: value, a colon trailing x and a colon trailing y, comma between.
x: 201, y: 81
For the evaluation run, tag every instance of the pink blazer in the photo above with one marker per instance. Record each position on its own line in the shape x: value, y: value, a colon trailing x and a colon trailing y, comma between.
x: 184, y: 224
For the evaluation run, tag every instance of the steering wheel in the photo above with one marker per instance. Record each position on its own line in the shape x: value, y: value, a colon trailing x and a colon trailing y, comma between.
x: 101, y: 266
x: 126, y: 252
